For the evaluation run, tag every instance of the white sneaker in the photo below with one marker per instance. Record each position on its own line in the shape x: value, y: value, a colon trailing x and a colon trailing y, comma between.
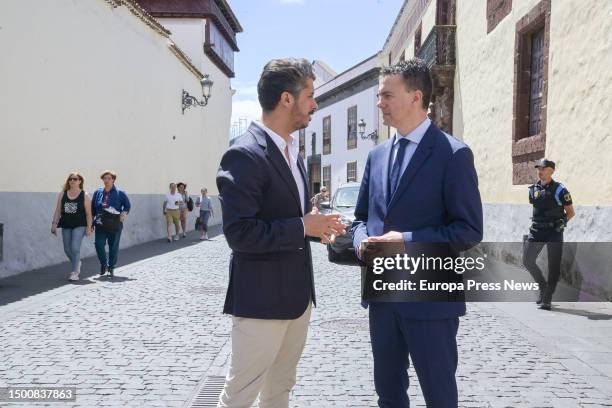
x: 74, y: 276
x: 176, y: 238
x: 206, y: 237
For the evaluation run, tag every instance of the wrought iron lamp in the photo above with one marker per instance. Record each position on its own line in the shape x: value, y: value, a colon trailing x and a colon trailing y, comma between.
x: 191, y: 101
x: 362, y: 125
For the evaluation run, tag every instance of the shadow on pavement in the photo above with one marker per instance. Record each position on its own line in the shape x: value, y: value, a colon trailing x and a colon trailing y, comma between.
x: 30, y: 283
x: 114, y: 279
x: 585, y: 313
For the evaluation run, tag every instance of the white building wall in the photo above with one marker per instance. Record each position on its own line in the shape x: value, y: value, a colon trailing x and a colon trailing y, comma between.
x: 340, y: 155
x: 189, y: 35
x: 86, y: 87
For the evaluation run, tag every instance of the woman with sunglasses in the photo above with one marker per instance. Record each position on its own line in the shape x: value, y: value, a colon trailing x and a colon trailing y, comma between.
x: 73, y: 215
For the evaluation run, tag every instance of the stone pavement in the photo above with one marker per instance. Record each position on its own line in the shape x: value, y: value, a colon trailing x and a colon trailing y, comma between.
x: 150, y: 336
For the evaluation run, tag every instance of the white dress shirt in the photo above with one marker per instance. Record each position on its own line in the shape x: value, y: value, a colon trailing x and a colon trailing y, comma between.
x: 294, y: 150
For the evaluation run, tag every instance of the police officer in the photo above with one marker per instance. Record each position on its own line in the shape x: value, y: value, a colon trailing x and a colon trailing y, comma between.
x: 320, y: 197
x: 552, y: 209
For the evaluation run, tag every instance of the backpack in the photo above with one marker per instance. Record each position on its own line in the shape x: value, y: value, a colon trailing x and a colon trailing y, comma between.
x: 189, y: 203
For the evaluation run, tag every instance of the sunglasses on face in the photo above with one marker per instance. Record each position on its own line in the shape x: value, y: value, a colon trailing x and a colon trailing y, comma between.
x: 73, y: 179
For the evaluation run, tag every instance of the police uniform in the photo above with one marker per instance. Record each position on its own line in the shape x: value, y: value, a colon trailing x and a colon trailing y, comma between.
x: 548, y: 222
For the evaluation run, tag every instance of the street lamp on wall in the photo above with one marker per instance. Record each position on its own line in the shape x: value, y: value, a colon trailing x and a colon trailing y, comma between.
x: 191, y: 101
x: 362, y: 125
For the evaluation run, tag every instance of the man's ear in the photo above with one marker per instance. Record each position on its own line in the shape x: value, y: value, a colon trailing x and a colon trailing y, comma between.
x: 286, y: 99
x: 418, y: 97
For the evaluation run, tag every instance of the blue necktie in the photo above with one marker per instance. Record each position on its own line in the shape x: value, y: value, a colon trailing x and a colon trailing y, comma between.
x: 396, y: 170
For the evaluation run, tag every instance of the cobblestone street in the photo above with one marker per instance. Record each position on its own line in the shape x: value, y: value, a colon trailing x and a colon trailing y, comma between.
x: 149, y: 337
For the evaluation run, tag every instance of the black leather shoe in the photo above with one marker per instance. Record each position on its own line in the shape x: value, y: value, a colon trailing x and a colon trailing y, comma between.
x: 546, y: 300
x: 541, y: 295
x: 102, y: 270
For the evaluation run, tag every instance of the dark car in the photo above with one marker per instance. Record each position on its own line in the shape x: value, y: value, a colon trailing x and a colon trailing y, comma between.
x: 343, y: 202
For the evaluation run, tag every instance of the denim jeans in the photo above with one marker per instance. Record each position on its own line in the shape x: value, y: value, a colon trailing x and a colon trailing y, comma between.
x: 112, y: 238
x: 204, y: 217
x: 72, y: 238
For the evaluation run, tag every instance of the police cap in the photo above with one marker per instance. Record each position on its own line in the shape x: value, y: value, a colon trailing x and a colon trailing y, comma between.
x: 545, y: 163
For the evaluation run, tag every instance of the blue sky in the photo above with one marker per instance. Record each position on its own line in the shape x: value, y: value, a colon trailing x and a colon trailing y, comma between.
x: 339, y: 32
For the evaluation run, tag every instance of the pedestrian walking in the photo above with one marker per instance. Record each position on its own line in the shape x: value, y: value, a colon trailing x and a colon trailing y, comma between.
x: 552, y: 209
x: 110, y: 207
x: 204, y: 203
x: 171, y: 208
x: 73, y: 215
x: 320, y: 197
x: 184, y: 206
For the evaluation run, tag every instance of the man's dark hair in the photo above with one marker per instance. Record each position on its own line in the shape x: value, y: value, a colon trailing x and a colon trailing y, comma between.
x: 282, y: 75
x: 416, y: 76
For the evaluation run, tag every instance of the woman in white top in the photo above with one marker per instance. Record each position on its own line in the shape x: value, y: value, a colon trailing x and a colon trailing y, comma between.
x: 172, y: 212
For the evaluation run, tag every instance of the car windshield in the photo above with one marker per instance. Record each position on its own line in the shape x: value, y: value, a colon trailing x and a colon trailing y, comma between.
x: 346, y: 197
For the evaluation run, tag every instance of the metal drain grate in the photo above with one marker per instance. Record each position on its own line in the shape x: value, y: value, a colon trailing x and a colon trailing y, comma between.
x: 208, y: 394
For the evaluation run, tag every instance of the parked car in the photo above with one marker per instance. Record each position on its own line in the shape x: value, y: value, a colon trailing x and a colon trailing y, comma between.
x: 343, y: 202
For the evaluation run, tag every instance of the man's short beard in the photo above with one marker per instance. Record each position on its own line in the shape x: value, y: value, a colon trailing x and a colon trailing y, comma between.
x: 298, y: 125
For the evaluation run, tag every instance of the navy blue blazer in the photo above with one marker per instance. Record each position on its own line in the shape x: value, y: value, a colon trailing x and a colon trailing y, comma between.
x: 270, y: 269
x: 437, y: 199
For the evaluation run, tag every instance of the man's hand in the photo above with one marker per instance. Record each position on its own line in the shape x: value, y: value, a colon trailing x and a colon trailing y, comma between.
x: 391, y: 236
x: 381, y: 246
x: 325, y: 226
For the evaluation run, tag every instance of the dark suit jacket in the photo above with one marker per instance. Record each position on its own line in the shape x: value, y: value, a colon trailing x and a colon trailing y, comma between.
x: 271, y: 273
x: 437, y: 199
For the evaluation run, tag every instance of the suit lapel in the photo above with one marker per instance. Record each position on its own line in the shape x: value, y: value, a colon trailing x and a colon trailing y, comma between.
x: 421, y: 154
x: 305, y: 179
x: 386, y: 154
x: 278, y: 161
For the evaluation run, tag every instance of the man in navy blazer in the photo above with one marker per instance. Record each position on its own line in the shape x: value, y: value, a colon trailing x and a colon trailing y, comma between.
x: 267, y: 220
x: 418, y: 186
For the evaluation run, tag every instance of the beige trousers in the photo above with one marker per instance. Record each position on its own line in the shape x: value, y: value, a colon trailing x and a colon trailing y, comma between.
x: 265, y: 354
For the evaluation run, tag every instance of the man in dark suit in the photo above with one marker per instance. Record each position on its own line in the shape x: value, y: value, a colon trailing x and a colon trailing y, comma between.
x: 418, y: 186
x: 267, y: 220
